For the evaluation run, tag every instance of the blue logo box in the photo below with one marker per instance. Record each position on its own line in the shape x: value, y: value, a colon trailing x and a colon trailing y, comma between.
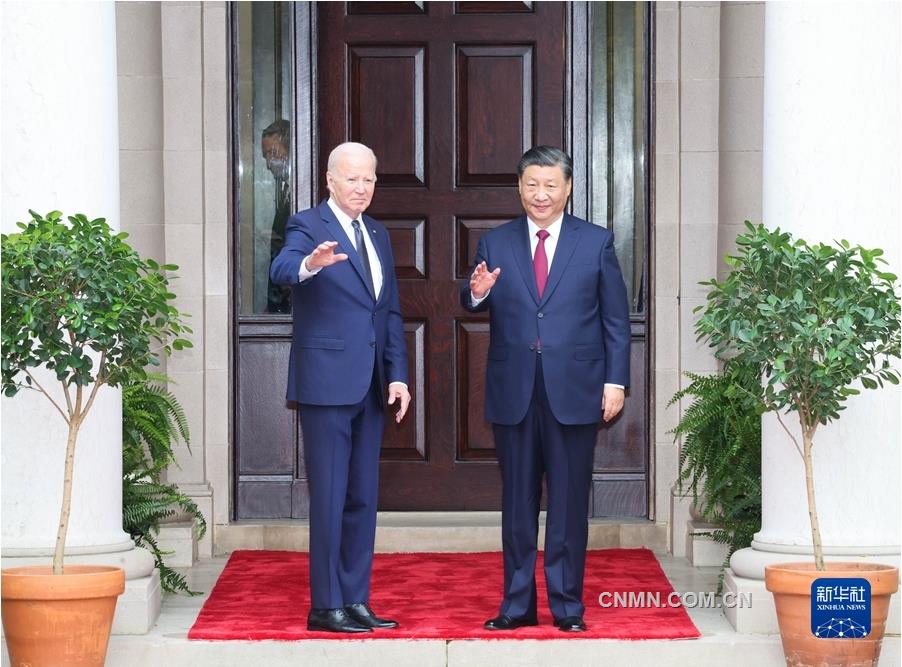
x: 840, y: 608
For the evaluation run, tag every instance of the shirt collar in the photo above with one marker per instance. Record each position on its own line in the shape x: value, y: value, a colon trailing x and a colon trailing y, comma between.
x: 554, y: 229
x: 343, y: 217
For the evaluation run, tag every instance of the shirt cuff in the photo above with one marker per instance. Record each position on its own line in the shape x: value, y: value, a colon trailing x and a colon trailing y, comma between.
x: 476, y: 301
x: 306, y: 274
x: 613, y: 384
x: 403, y: 384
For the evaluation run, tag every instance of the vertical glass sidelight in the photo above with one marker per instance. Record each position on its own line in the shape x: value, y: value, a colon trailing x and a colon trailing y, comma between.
x: 263, y: 149
x: 619, y: 134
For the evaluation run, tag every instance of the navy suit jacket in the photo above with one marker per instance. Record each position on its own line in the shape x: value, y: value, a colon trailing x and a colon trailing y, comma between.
x: 582, y: 321
x: 340, y: 330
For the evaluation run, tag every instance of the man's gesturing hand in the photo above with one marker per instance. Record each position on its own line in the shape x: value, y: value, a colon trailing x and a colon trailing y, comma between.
x: 483, y: 280
x: 397, y: 390
x: 324, y: 255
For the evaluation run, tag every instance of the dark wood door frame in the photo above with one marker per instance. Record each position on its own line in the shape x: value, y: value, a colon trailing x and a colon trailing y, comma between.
x: 306, y: 187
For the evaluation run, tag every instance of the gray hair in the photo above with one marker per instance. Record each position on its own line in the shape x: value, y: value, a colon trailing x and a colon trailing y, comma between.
x: 546, y: 156
x: 349, y: 147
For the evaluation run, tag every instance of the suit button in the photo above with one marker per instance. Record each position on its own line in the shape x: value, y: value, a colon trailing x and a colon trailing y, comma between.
x: 532, y: 348
x: 541, y: 315
x: 372, y: 343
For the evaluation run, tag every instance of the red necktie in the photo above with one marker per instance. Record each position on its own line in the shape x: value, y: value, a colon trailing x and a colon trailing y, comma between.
x: 540, y: 262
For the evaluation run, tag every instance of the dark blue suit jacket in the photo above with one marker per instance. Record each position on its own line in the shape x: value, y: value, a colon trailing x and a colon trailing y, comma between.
x: 582, y: 321
x: 340, y: 330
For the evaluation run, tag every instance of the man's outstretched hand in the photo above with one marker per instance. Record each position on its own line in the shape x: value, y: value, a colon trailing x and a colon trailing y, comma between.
x: 324, y: 255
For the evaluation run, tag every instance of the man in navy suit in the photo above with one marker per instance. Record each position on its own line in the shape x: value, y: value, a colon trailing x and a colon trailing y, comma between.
x: 558, y: 363
x: 348, y: 344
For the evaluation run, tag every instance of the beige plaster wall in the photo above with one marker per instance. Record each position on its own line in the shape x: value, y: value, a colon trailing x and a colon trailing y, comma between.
x: 173, y: 108
x: 708, y: 113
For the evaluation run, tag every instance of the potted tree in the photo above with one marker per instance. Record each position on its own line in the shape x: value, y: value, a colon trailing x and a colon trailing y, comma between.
x: 817, y: 318
x: 80, y: 302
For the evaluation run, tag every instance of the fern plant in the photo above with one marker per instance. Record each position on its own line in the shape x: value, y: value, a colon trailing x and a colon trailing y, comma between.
x: 152, y: 422
x: 720, y: 460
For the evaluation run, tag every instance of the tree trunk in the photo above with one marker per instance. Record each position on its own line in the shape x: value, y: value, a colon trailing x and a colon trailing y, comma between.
x: 808, y: 443
x: 66, y: 506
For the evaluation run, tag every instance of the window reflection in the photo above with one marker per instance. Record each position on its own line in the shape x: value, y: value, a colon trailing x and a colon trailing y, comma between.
x: 264, y: 140
x: 275, y: 143
x: 620, y: 134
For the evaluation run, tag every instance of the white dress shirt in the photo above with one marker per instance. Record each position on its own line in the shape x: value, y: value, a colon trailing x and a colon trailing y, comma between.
x: 345, y: 221
x: 554, y: 233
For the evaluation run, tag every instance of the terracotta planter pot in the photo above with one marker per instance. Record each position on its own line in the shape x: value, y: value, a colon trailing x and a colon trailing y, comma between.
x: 59, y: 620
x: 791, y: 585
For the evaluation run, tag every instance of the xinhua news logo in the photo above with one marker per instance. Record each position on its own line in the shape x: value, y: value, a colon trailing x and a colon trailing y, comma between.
x: 689, y: 599
x: 840, y: 608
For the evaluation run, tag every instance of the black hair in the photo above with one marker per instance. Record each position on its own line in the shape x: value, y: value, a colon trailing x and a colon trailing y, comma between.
x: 281, y: 129
x: 546, y: 156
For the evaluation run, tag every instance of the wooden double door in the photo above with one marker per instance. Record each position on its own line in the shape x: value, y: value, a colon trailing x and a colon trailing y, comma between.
x: 448, y: 95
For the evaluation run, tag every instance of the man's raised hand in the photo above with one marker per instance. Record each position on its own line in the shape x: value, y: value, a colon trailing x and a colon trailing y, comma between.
x: 324, y: 255
x: 483, y: 280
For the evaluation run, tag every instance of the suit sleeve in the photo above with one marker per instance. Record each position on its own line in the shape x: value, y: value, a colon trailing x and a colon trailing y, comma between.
x: 466, y: 298
x: 299, y: 243
x: 615, y: 317
x: 395, y: 358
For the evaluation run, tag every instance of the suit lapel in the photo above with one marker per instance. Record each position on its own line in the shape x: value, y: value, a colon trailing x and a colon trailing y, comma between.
x: 523, y: 255
x: 337, y: 233
x: 566, y: 244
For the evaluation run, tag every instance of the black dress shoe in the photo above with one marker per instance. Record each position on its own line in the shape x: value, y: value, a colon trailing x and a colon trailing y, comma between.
x: 505, y: 622
x: 570, y: 624
x: 362, y: 613
x: 333, y: 620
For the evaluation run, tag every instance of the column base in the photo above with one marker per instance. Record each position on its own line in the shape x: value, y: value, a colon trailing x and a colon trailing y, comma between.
x: 760, y: 617
x: 202, y: 494
x: 136, y: 562
x: 177, y: 537
x: 746, y: 576
x: 701, y: 549
x: 680, y: 515
x: 138, y: 607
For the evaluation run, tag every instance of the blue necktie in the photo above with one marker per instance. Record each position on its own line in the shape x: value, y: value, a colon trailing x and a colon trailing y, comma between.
x: 364, y: 256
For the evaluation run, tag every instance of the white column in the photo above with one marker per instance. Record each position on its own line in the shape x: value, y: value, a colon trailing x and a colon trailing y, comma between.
x: 60, y: 151
x: 831, y: 170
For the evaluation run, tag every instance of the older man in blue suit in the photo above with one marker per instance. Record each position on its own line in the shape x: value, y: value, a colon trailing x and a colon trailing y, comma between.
x: 558, y: 363
x: 348, y: 345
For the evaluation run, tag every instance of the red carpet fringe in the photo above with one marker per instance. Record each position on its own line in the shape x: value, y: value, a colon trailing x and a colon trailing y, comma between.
x: 265, y: 595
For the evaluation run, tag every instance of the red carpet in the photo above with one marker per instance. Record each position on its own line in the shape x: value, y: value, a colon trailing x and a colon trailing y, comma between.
x: 265, y: 595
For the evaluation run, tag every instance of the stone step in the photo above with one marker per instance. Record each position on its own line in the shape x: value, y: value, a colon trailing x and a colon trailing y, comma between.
x: 167, y: 643
x: 737, y: 651
x: 435, y: 531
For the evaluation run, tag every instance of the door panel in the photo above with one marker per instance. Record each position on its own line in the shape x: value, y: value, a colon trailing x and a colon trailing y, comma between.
x: 444, y: 94
x: 449, y: 96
